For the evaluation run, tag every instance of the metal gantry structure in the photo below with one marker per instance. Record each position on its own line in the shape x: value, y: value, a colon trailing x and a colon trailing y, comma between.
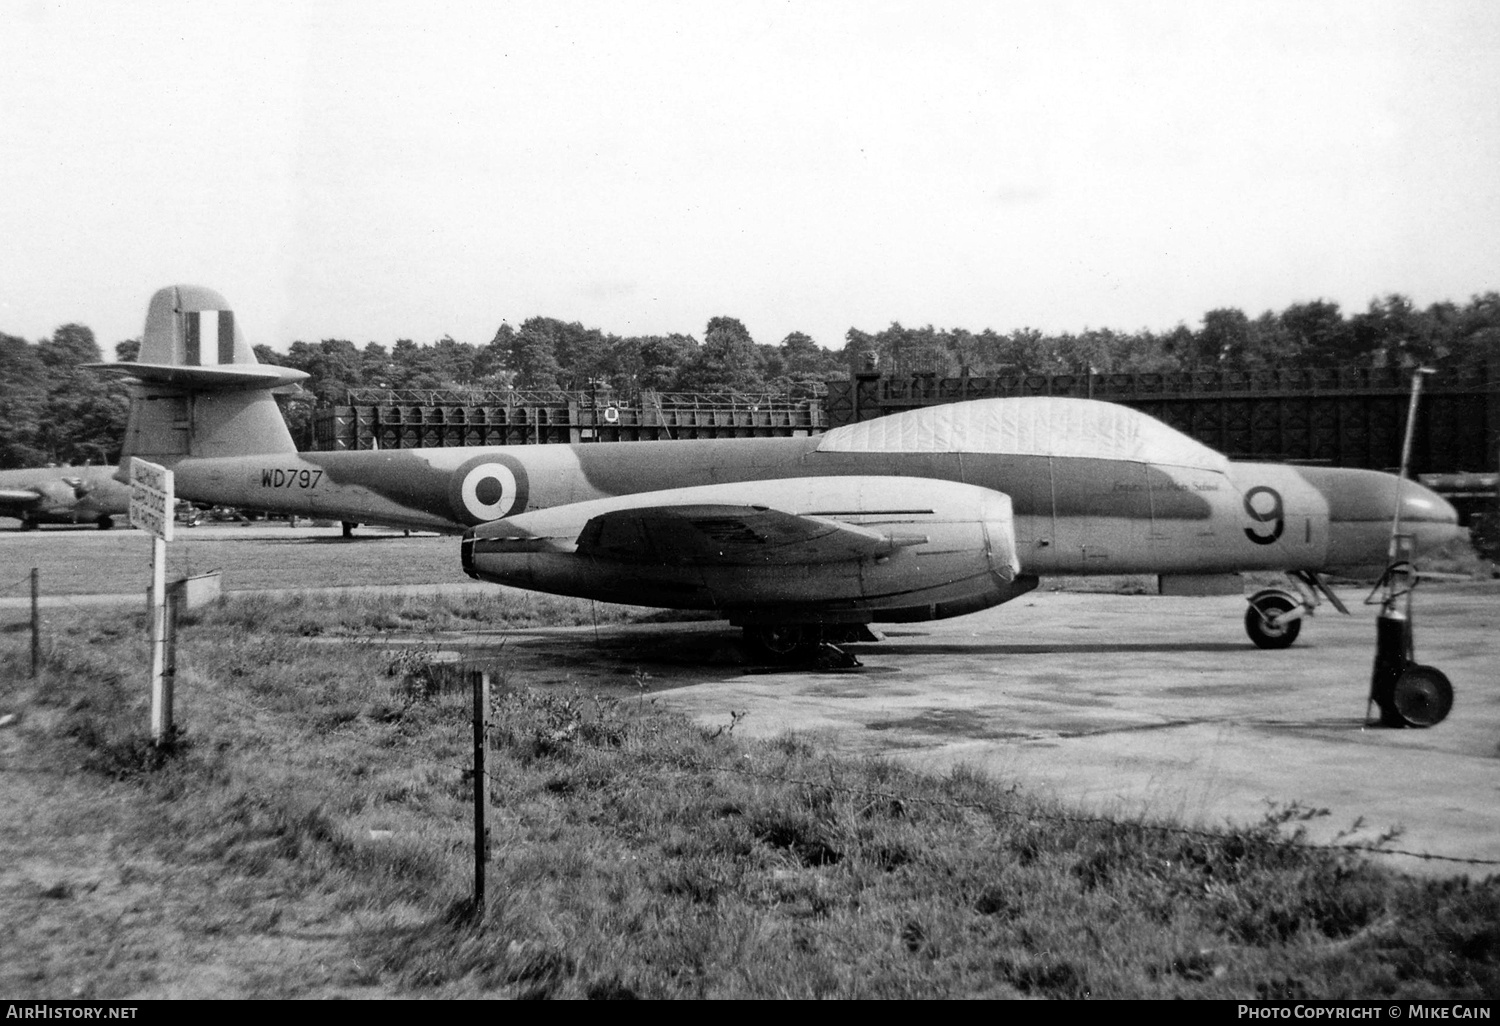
x: 1334, y: 416
x: 1347, y: 417
x: 411, y: 418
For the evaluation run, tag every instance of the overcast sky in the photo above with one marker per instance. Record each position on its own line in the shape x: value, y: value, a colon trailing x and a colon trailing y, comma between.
x: 378, y: 170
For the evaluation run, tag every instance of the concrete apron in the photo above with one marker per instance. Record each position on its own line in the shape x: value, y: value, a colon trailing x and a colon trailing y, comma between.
x: 1159, y: 707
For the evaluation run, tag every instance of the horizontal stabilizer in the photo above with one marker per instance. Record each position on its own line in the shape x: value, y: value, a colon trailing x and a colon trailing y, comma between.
x: 238, y: 375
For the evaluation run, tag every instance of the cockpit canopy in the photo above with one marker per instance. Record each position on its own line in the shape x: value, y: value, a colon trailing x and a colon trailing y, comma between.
x: 1029, y: 426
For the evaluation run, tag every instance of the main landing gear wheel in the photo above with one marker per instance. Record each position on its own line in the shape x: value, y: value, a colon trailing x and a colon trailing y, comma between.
x: 105, y: 523
x: 800, y: 643
x: 782, y: 640
x: 1421, y: 697
x: 1266, y: 622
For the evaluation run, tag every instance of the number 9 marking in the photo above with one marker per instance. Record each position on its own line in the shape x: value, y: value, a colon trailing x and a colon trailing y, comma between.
x: 1276, y: 515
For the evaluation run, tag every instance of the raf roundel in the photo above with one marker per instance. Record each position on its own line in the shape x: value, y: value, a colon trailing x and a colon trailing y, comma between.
x: 489, y: 487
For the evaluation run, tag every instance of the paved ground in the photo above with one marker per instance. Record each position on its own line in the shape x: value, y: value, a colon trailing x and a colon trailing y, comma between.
x: 1135, y: 705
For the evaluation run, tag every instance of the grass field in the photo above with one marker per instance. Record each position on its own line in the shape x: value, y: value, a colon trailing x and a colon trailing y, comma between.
x: 84, y: 560
x: 309, y: 836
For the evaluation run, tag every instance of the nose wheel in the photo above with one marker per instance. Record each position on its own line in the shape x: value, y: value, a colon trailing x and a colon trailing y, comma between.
x: 1274, y: 619
x: 1275, y: 616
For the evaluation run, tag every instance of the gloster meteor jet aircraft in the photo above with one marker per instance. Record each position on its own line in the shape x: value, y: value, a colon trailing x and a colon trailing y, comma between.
x: 917, y: 516
x: 62, y: 495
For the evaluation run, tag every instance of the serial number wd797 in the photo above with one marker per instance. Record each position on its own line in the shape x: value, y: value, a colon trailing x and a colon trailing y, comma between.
x: 293, y: 478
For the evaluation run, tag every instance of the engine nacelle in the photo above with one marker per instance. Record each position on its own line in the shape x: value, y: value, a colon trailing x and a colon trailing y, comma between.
x: 59, y: 496
x: 821, y: 549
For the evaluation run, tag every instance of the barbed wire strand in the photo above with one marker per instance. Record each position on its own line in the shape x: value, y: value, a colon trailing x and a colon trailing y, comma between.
x: 23, y: 583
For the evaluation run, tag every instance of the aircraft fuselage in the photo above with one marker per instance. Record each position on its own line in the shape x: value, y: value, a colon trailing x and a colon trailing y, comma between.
x: 62, y: 495
x: 1071, y: 515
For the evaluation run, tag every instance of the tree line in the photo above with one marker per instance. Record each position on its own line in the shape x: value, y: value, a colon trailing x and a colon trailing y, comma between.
x: 1392, y: 332
x: 53, y: 411
x: 546, y: 353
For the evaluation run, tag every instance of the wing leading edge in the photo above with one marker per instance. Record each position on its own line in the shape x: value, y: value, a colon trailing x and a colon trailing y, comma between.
x: 731, y: 535
x: 814, y: 520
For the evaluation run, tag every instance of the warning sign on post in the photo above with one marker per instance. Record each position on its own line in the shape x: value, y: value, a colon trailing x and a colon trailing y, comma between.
x: 151, y: 500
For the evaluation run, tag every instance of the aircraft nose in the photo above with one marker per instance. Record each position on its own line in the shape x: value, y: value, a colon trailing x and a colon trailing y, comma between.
x: 1422, y: 505
x: 1370, y: 496
x: 1428, y: 519
x: 1361, y: 504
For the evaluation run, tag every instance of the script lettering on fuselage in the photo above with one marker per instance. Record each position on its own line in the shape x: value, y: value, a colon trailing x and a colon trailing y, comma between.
x: 1166, y: 486
x: 294, y: 477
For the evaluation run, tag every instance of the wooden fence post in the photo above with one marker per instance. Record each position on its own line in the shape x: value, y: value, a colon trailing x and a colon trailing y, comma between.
x: 36, y: 621
x: 480, y: 680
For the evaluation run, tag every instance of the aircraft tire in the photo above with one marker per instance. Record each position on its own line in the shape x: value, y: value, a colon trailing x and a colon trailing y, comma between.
x: 29, y: 525
x: 1265, y: 604
x: 105, y: 523
x: 1421, y: 697
x: 782, y: 642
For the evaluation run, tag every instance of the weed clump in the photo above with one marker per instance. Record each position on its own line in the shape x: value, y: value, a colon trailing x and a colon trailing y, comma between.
x: 422, y: 675
x: 801, y: 836
x: 128, y: 755
x: 546, y: 724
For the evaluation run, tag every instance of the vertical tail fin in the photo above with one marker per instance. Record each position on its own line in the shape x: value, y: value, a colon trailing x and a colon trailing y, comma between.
x: 199, y: 390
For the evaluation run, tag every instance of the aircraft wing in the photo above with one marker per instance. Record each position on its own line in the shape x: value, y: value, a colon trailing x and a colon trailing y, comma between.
x: 748, y: 523
x: 728, y: 535
x: 830, y: 543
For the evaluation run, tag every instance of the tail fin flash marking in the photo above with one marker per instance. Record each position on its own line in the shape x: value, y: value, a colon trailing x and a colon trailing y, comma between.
x: 226, y: 336
x: 192, y: 337
x: 214, y: 325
